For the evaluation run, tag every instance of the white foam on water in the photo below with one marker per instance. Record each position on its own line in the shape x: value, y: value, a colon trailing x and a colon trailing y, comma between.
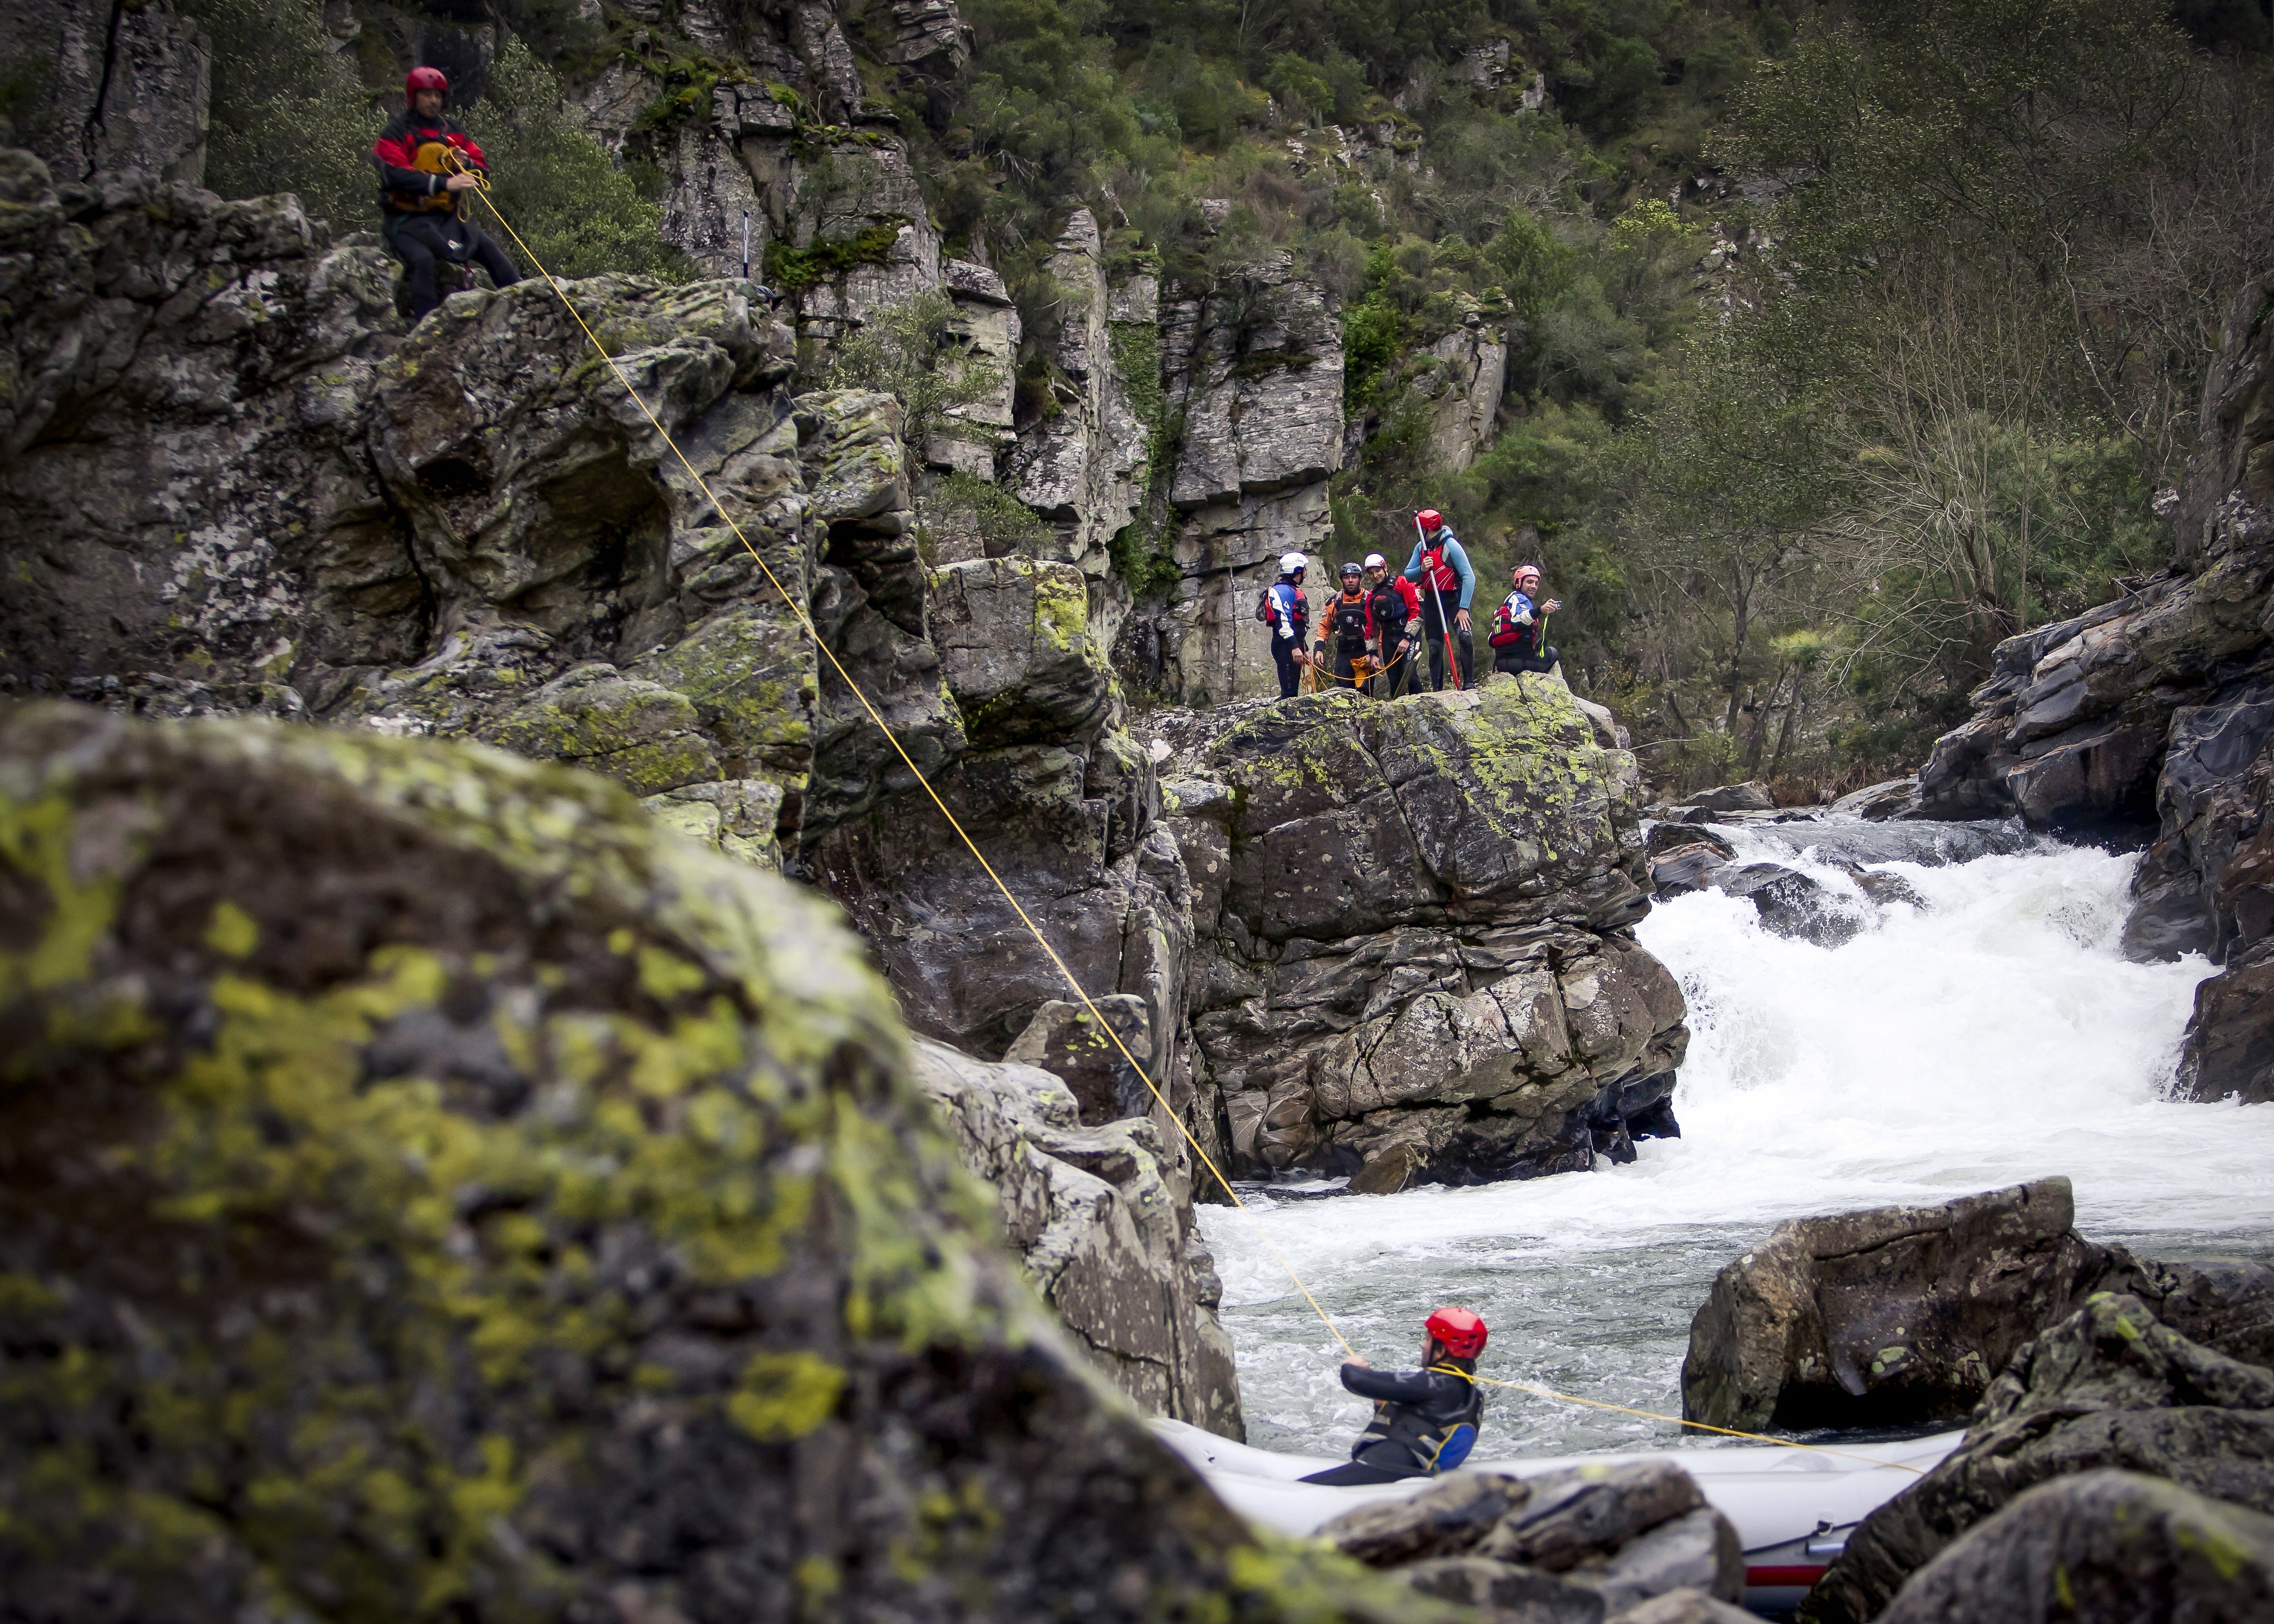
x: 1992, y: 1036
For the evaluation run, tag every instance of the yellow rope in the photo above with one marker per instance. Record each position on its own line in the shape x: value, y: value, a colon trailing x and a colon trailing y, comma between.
x: 804, y: 620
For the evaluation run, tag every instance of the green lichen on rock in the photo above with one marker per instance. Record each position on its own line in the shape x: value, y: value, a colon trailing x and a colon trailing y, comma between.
x: 429, y: 1190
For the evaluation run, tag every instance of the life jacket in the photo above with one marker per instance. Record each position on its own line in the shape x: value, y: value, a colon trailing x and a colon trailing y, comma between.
x: 1437, y: 1444
x: 1352, y: 620
x: 426, y: 146
x: 1510, y: 632
x: 1410, y: 593
x: 1293, y: 605
x: 1438, y: 574
x: 1392, y: 612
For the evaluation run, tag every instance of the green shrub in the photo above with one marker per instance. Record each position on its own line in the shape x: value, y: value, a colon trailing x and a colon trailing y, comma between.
x: 289, y: 114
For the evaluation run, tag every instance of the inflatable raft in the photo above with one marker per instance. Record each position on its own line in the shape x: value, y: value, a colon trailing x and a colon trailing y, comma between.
x: 1794, y: 1508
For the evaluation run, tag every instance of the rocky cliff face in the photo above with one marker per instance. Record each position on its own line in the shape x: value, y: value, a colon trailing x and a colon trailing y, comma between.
x: 2157, y: 710
x: 107, y: 88
x: 1387, y: 940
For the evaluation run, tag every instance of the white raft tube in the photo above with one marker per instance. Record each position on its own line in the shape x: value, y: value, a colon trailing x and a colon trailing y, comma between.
x: 1793, y: 1509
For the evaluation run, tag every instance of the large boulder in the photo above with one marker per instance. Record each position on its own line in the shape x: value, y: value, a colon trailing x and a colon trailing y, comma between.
x: 429, y: 1190
x: 2108, y: 1387
x: 1420, y: 966
x: 1901, y: 1314
x: 2103, y: 1547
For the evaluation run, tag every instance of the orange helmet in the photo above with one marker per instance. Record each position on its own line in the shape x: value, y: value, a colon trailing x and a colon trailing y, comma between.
x: 1430, y: 519
x: 1459, y: 1332
x: 424, y: 78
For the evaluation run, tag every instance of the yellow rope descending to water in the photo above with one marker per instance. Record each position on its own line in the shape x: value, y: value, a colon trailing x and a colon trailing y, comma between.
x: 798, y: 609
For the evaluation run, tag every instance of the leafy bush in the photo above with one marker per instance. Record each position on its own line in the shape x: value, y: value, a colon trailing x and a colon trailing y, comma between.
x: 289, y: 114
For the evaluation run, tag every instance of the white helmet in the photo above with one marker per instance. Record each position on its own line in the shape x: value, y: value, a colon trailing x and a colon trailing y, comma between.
x: 1374, y: 560
x: 1290, y: 562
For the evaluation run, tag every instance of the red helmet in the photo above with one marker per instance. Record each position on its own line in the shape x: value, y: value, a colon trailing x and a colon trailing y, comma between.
x: 1459, y: 1332
x: 1430, y: 518
x: 424, y: 78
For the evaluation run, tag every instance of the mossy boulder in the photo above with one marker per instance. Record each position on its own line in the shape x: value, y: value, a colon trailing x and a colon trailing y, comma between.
x: 429, y: 1190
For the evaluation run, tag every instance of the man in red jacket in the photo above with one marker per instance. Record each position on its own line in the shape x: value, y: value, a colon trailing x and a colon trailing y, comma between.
x: 427, y: 164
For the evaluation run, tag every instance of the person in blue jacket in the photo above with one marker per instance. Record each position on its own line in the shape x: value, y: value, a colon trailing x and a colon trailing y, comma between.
x: 1425, y: 1421
x: 1440, y: 567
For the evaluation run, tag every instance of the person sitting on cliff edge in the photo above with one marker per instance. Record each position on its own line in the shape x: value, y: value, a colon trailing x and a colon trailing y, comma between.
x: 426, y: 164
x: 1519, y: 629
x: 1425, y: 1421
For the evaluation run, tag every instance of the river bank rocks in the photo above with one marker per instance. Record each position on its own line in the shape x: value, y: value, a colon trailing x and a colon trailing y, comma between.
x: 2146, y: 1443
x: 1903, y: 1314
x: 2153, y: 715
x: 430, y: 1187
x: 1575, y: 1547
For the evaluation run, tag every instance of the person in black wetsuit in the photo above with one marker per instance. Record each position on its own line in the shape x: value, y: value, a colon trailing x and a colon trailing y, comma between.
x: 1351, y: 616
x: 1425, y: 1421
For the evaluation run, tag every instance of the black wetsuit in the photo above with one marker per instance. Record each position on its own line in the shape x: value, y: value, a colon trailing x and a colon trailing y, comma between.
x: 1526, y: 649
x: 1389, y: 627
x: 1352, y: 620
x: 1424, y: 1422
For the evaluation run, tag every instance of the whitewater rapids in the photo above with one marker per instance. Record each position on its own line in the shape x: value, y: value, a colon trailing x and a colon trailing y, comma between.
x: 1992, y: 1036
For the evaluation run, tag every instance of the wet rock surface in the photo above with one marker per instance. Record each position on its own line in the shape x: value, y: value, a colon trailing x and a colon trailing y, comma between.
x: 1907, y: 1314
x: 1577, y: 1544
x: 2108, y: 1387
x: 411, y: 1106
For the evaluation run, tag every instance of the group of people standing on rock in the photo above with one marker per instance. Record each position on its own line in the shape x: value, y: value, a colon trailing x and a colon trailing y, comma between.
x: 1378, y: 628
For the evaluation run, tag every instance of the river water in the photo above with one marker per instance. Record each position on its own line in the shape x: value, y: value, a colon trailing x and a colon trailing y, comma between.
x: 1991, y: 1036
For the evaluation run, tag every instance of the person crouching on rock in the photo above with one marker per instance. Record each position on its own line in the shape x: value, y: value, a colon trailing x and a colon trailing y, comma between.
x: 1519, y: 629
x: 1425, y: 1421
x: 427, y: 164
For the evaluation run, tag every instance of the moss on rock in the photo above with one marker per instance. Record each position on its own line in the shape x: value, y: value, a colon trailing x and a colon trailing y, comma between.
x: 428, y: 1190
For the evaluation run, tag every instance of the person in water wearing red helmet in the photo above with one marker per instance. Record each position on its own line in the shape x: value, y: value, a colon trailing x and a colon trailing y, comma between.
x: 1425, y: 1421
x: 426, y: 164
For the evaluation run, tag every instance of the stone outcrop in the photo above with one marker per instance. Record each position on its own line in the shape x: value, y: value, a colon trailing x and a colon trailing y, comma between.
x: 1252, y: 379
x: 107, y: 89
x: 425, y: 1184
x: 1414, y: 960
x: 1901, y: 1314
x: 2108, y: 1387
x: 1564, y: 1547
x: 1105, y: 1239
x: 2102, y: 1548
x: 2157, y: 710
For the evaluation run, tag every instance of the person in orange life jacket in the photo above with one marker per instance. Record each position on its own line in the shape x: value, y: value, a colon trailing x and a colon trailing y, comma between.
x: 1350, y: 622
x: 1519, y: 627
x: 420, y: 206
x: 1288, y: 613
x: 1396, y: 619
x: 1425, y: 1421
x: 1440, y: 566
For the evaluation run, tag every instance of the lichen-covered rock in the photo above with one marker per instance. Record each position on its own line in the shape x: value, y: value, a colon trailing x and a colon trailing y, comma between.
x: 2107, y: 1387
x: 427, y: 1189
x: 1900, y: 1314
x: 2104, y: 1547
x: 1104, y: 1237
x: 1421, y: 958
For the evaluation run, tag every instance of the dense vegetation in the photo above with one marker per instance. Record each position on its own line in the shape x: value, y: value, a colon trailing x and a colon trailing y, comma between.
x: 1843, y: 341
